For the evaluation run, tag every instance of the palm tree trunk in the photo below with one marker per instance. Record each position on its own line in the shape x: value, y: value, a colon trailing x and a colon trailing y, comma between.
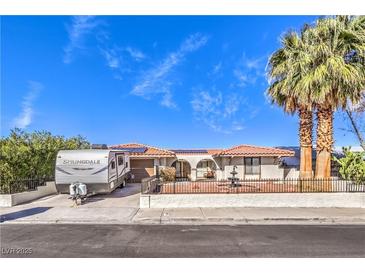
x: 324, y: 141
x: 305, y: 136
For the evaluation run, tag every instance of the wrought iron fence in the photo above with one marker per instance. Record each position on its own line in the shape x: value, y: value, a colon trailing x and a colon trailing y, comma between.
x: 21, y: 185
x: 155, y: 186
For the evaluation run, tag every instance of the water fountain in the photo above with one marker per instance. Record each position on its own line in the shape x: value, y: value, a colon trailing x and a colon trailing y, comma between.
x: 233, y: 178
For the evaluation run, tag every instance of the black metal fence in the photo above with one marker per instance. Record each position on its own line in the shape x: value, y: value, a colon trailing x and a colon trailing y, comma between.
x: 21, y: 185
x: 155, y: 186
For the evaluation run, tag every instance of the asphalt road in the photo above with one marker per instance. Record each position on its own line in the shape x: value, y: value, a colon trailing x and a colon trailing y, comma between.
x: 61, y: 240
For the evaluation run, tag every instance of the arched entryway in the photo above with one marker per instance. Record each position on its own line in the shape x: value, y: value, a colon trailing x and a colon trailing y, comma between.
x: 183, y: 169
x: 206, y: 169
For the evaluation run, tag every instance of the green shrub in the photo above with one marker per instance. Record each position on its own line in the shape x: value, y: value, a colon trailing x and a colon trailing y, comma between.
x: 352, y: 165
x: 32, y: 155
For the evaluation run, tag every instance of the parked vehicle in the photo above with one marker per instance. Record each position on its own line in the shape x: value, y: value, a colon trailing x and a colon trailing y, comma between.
x: 101, y: 170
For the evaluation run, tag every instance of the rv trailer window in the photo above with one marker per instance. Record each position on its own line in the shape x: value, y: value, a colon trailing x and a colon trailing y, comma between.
x: 126, y: 164
x: 113, y: 164
x: 120, y: 160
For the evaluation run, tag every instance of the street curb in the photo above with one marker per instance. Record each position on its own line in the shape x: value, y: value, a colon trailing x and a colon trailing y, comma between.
x: 196, y: 221
x: 229, y: 221
x: 66, y: 222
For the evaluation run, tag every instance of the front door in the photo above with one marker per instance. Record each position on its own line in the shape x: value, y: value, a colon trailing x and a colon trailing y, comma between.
x: 182, y: 169
x: 179, y: 169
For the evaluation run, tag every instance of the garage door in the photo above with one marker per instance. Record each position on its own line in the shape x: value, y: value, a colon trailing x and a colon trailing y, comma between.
x: 142, y: 168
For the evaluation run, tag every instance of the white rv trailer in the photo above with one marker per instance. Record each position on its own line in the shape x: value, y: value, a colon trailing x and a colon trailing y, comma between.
x: 102, y: 170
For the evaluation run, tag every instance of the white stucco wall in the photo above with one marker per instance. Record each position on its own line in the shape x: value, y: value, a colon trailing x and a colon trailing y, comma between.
x: 291, y: 173
x: 170, y: 161
x: 193, y: 161
x: 228, y: 167
x: 165, y: 161
x: 162, y: 162
x: 270, y: 168
x: 7, y: 200
x: 239, y: 162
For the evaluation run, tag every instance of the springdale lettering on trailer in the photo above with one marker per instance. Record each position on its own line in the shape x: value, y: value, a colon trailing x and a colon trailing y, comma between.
x: 81, y: 162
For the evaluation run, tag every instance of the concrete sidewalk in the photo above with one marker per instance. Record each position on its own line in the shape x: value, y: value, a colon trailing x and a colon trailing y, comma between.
x: 232, y: 216
x: 197, y: 216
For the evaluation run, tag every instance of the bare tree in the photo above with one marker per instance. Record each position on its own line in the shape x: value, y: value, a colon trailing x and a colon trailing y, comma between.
x: 356, y: 115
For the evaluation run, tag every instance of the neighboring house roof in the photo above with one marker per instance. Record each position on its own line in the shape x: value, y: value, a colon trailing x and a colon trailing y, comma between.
x: 141, y: 150
x: 295, y: 160
x: 252, y: 151
x: 338, y: 149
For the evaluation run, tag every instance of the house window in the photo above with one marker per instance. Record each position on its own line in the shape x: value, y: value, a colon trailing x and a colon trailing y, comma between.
x: 206, y: 169
x: 208, y: 164
x: 252, y: 166
x: 202, y: 164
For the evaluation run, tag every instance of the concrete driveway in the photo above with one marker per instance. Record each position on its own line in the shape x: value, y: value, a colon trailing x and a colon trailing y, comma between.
x: 59, y: 208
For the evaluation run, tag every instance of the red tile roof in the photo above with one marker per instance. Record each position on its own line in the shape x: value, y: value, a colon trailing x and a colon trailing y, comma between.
x: 241, y: 150
x: 251, y: 151
x: 150, y: 151
x: 214, y: 151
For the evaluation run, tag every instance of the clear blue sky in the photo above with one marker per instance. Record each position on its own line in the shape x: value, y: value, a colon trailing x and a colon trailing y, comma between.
x: 165, y: 81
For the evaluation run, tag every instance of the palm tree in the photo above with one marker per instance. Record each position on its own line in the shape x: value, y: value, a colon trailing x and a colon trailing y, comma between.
x: 335, y: 76
x: 285, y: 66
x: 323, y: 68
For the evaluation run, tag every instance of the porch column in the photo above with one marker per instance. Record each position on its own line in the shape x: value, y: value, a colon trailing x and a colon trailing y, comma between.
x: 163, y: 162
x: 193, y: 173
x: 156, y: 163
x: 225, y: 167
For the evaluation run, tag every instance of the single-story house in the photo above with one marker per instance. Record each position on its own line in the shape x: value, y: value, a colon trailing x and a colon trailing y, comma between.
x: 252, y: 162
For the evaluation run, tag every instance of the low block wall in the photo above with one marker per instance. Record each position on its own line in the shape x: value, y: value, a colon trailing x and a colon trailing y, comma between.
x: 350, y: 200
x: 7, y: 200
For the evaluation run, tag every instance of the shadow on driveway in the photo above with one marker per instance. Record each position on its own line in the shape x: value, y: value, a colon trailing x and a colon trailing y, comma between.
x: 22, y: 213
x: 128, y: 190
